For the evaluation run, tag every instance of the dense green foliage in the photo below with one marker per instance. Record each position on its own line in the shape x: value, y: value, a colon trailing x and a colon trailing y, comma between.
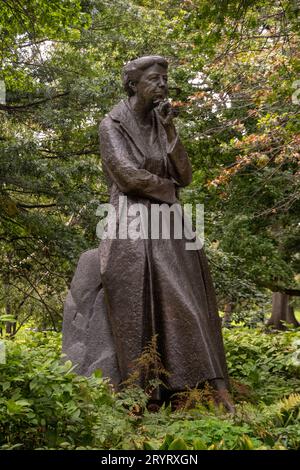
x: 233, y: 72
x: 44, y: 404
x: 234, y: 75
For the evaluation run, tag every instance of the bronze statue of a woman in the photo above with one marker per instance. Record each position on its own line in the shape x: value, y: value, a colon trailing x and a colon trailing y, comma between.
x: 132, y: 289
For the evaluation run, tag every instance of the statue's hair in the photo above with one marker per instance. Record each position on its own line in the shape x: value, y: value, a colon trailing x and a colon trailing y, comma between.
x: 133, y: 70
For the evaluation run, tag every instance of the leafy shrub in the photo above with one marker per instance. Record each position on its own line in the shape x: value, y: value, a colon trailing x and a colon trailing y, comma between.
x: 199, y: 431
x: 44, y: 404
x: 265, y: 362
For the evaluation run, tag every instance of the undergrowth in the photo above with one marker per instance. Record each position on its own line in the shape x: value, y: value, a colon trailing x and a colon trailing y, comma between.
x: 44, y: 404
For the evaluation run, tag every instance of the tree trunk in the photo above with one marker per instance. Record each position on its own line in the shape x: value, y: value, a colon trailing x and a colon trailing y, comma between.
x: 282, y: 312
x: 290, y: 318
x: 227, y: 314
x: 7, y: 300
x: 280, y: 304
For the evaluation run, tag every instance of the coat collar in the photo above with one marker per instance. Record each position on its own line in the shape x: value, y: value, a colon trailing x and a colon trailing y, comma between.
x: 123, y: 114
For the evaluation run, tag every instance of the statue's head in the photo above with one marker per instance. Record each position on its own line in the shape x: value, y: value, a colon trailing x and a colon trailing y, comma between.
x: 146, y: 75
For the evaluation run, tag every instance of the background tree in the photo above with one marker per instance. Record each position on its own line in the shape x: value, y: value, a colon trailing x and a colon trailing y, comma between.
x: 234, y: 66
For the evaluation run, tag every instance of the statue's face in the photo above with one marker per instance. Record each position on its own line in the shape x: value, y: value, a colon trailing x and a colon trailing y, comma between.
x: 152, y: 87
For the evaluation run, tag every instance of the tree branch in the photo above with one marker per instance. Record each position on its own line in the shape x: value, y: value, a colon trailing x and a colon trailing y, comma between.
x: 5, y: 107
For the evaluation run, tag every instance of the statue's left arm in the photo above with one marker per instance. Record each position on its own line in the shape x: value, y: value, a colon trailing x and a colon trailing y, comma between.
x: 179, y: 165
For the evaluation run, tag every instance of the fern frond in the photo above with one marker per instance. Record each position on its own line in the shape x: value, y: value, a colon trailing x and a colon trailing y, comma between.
x: 289, y: 403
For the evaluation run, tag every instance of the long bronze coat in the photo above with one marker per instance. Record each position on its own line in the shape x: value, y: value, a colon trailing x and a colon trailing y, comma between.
x: 156, y: 286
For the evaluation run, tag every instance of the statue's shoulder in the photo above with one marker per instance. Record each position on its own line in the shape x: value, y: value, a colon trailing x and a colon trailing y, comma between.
x: 118, y: 113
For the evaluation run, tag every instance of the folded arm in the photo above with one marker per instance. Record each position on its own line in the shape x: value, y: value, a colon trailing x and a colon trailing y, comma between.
x: 124, y: 172
x: 179, y: 166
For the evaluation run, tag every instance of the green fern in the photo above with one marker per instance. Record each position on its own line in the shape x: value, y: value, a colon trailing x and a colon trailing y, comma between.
x: 148, y: 370
x: 288, y: 409
x: 265, y: 418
